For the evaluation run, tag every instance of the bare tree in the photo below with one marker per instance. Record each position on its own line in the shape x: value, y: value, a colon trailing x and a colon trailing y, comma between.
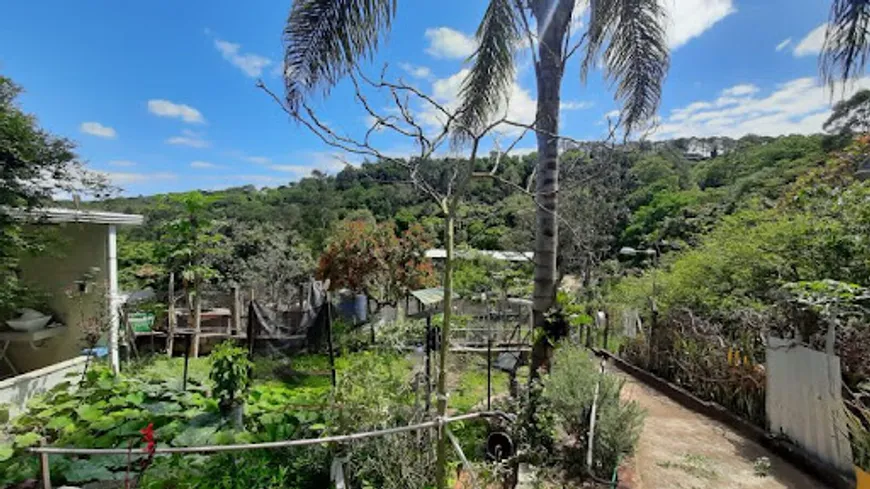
x: 445, y: 185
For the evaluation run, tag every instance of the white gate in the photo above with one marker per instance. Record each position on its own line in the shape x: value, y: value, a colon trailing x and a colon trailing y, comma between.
x: 804, y: 401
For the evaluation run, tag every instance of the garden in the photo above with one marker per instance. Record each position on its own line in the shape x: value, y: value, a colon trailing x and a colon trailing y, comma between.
x: 230, y: 401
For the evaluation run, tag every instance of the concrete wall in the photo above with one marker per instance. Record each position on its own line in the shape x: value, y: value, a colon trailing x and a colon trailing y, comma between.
x: 15, y: 392
x: 80, y: 247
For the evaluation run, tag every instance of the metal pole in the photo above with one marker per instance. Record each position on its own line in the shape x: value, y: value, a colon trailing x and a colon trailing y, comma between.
x: 186, y: 361
x: 46, y: 471
x: 329, y: 338
x: 489, y: 373
x: 428, y: 348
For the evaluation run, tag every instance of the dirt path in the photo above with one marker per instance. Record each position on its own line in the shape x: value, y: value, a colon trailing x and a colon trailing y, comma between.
x: 681, y: 449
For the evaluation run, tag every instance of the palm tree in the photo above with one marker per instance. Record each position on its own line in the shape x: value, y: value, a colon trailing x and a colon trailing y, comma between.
x: 847, y: 41
x: 326, y: 39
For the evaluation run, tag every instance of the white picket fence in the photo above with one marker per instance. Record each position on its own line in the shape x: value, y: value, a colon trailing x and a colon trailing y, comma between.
x: 805, y: 403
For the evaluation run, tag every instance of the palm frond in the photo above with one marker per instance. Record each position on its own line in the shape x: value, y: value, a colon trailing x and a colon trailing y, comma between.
x: 487, y: 86
x: 601, y: 22
x: 636, y: 59
x: 324, y: 39
x: 844, y: 53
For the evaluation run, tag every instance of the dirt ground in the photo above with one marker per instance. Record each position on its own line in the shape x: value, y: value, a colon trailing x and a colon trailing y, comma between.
x: 681, y: 449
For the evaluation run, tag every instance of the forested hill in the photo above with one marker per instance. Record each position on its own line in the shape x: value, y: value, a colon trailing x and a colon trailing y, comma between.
x: 635, y: 195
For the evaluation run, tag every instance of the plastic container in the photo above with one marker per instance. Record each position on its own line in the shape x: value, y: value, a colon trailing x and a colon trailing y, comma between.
x: 141, y: 322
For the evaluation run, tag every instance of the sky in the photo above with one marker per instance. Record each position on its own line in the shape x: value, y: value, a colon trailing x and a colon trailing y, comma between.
x: 161, y: 96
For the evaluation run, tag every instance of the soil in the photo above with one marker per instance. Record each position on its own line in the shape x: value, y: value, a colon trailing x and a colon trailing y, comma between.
x: 682, y: 449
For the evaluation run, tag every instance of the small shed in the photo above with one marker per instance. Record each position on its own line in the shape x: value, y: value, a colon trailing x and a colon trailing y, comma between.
x: 87, y: 244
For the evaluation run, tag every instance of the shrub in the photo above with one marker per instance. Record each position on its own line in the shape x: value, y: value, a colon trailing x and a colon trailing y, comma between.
x: 229, y: 373
x: 570, y: 390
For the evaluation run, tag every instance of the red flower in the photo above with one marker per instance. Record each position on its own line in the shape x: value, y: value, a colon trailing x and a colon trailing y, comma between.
x: 148, y: 438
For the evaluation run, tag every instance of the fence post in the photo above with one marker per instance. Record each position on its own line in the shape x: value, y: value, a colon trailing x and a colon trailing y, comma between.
x: 237, y: 310
x: 170, y: 312
x: 44, y: 467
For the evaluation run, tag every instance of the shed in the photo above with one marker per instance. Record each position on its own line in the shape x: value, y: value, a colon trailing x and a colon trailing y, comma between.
x: 87, y: 244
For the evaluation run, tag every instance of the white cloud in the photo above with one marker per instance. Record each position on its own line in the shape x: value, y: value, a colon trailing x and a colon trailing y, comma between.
x: 812, y: 43
x: 202, y: 165
x: 165, y: 108
x: 740, y: 90
x: 417, y: 71
x: 314, y: 160
x: 520, y: 107
x: 688, y: 19
x: 189, y: 138
x: 799, y: 106
x: 613, y: 114
x: 251, y: 64
x: 259, y: 160
x: 782, y: 45
x: 445, y: 42
x: 575, y: 105
x: 97, y: 129
x: 122, y: 163
x: 125, y: 178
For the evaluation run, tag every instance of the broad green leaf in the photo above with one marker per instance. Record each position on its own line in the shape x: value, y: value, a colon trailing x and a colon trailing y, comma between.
x: 89, y: 412
x: 6, y: 452
x: 26, y: 440
x: 59, y: 423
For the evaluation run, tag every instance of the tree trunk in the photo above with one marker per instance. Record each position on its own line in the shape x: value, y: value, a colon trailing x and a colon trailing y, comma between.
x: 441, y: 463
x: 549, y: 71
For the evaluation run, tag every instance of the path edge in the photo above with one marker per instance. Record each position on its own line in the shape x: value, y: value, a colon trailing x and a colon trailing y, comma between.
x: 792, y: 453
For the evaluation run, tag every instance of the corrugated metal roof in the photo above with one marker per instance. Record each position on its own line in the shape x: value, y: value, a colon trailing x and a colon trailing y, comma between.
x: 57, y: 215
x: 514, y: 256
x: 431, y: 296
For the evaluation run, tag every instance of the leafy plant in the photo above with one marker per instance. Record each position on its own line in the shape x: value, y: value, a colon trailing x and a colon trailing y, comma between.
x: 570, y: 392
x: 229, y: 374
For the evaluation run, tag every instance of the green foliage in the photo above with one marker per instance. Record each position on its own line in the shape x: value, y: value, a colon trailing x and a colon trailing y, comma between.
x: 570, y: 390
x: 35, y: 166
x: 229, y: 373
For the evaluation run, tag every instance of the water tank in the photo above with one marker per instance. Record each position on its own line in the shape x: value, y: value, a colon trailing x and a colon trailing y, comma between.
x: 353, y: 308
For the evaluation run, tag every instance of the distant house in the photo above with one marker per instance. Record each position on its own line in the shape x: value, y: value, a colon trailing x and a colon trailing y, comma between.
x: 512, y: 256
x: 87, y: 244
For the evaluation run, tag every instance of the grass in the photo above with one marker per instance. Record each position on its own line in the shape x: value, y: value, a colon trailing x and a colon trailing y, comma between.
x: 692, y: 464
x: 467, y: 380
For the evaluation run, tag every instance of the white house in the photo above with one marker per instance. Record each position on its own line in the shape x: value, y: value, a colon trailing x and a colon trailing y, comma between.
x: 87, y: 243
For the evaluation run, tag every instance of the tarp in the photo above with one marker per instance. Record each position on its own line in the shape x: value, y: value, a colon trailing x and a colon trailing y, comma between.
x: 282, y: 331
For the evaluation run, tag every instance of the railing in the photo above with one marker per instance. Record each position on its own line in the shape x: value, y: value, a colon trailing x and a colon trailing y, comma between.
x: 45, y: 451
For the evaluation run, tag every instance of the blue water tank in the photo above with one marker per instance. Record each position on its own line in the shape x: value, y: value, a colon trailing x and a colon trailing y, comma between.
x: 354, y: 308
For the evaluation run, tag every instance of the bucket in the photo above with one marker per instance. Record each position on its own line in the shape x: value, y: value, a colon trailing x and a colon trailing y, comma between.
x: 862, y: 478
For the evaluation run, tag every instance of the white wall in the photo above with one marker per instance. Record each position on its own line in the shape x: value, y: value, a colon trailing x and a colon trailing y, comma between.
x: 19, y: 389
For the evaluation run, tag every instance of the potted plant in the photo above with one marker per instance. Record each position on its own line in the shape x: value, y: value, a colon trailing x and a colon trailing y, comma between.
x: 229, y: 374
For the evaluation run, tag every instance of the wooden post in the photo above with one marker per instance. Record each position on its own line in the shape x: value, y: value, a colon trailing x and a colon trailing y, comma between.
x: 197, y: 319
x: 170, y: 312
x: 237, y: 311
x: 329, y: 338
x: 606, y: 331
x: 44, y: 468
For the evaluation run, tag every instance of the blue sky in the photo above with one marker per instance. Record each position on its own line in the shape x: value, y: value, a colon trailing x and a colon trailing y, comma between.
x: 160, y: 95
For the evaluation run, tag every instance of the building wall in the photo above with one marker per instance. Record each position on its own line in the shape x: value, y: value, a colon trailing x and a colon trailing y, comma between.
x: 80, y: 247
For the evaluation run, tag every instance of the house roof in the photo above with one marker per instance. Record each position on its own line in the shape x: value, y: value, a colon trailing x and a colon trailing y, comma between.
x: 54, y: 215
x: 431, y: 296
x: 516, y: 256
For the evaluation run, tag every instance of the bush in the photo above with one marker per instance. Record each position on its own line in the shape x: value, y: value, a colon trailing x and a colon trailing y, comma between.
x: 569, y: 390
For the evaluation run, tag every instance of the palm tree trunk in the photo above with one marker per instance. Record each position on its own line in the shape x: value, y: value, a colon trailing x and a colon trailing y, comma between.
x: 441, y: 462
x: 549, y: 72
